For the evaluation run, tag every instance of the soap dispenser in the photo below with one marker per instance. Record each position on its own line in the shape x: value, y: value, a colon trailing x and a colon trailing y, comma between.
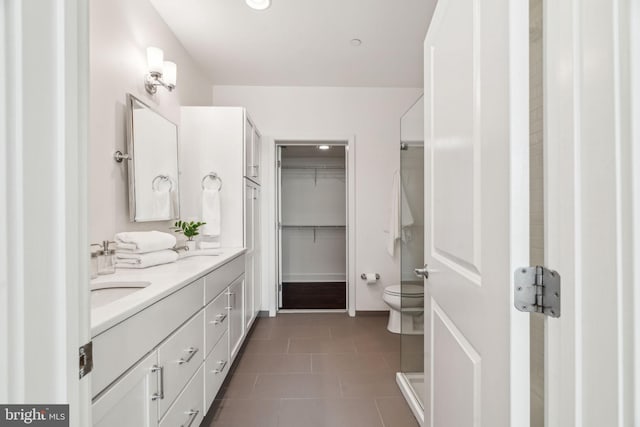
x: 96, y: 248
x: 106, y: 259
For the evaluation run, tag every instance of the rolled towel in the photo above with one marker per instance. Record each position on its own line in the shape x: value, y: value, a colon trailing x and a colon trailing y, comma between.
x: 149, y: 259
x: 140, y: 242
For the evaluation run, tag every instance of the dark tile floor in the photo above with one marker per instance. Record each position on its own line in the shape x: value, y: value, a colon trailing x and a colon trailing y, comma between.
x: 314, y: 370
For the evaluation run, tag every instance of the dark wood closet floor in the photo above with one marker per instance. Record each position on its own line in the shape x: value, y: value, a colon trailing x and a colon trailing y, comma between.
x: 316, y: 295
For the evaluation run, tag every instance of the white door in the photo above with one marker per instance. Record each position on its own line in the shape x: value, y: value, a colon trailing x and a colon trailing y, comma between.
x: 476, y: 213
x: 592, y: 184
x: 44, y: 253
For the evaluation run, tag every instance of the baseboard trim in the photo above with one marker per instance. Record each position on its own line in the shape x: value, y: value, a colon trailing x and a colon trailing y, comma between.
x: 372, y: 313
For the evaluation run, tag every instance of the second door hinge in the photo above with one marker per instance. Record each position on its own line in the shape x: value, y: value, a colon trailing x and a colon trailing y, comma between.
x: 85, y: 357
x: 537, y: 290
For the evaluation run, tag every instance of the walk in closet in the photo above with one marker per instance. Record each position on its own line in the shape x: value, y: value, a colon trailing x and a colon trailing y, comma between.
x: 312, y: 226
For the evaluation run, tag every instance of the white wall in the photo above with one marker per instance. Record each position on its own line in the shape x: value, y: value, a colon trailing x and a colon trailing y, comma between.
x: 120, y: 32
x: 372, y: 115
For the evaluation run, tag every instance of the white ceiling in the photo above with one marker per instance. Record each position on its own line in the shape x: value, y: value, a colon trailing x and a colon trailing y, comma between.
x: 304, y: 42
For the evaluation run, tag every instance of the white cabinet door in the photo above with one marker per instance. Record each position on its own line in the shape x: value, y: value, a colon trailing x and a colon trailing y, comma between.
x: 257, y: 253
x: 235, y: 297
x: 476, y: 213
x: 248, y: 148
x: 255, y: 150
x: 131, y: 402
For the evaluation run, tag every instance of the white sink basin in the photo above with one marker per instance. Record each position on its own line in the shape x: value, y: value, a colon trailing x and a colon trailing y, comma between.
x: 107, y: 292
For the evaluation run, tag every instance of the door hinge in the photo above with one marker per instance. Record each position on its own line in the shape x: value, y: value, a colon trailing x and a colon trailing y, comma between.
x: 85, y: 359
x: 280, y: 286
x: 279, y: 163
x: 537, y: 290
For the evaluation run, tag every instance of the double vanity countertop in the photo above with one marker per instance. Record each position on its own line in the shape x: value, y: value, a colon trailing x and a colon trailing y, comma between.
x: 161, y: 280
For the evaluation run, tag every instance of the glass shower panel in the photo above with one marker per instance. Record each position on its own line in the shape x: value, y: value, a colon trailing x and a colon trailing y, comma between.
x: 412, y: 247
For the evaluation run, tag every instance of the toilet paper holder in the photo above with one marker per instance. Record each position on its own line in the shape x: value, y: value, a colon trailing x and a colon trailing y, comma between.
x: 363, y: 276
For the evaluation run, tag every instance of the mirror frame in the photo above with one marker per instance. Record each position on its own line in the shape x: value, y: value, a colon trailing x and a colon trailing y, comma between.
x: 131, y: 178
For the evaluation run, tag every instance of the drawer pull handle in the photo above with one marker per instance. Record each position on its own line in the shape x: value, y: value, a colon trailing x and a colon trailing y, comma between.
x: 160, y: 370
x: 192, y: 351
x: 219, y: 319
x: 192, y: 417
x: 221, y: 364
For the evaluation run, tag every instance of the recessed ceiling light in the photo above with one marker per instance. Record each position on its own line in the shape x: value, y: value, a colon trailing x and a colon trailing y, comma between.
x: 258, y: 4
x: 356, y: 42
x: 323, y: 147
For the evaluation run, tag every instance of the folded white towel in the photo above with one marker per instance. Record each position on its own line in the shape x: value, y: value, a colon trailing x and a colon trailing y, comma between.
x: 144, y: 241
x: 208, y: 245
x: 149, y: 259
x: 400, y: 215
x: 199, y: 252
x: 211, y: 212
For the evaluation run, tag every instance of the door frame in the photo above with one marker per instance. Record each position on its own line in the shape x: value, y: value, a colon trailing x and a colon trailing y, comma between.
x: 44, y: 80
x: 271, y: 217
x: 591, y: 66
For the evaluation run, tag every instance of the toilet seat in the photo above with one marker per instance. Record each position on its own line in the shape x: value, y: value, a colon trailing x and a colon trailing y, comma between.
x: 406, y: 291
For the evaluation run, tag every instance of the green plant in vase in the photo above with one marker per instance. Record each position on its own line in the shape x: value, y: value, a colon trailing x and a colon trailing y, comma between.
x: 189, y: 229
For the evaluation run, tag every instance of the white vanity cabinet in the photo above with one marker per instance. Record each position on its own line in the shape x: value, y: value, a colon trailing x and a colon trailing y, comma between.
x: 225, y: 141
x: 236, y: 316
x: 179, y: 375
x: 133, y: 401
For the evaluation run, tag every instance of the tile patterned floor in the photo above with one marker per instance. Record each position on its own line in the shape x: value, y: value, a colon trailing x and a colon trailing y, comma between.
x: 314, y: 370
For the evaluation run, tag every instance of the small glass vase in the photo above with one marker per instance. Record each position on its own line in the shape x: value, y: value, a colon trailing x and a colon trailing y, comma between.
x: 191, y: 245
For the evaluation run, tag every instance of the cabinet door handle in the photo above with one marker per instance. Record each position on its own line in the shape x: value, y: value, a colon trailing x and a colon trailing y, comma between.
x: 219, y: 319
x: 193, y: 414
x: 159, y: 394
x: 221, y: 365
x: 231, y: 306
x: 192, y: 351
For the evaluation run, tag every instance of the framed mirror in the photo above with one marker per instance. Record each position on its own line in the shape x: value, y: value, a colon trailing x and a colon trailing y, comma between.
x: 152, y: 142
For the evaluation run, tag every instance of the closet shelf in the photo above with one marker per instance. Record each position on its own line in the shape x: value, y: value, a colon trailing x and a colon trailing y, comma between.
x: 314, y: 167
x: 311, y: 226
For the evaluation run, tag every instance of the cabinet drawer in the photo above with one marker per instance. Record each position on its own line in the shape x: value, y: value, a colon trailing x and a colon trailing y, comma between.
x: 216, y: 321
x: 217, y: 281
x: 130, y: 402
x: 118, y: 348
x: 188, y: 409
x: 180, y: 356
x: 215, y: 370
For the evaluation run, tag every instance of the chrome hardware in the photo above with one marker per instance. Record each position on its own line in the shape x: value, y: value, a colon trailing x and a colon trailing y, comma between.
x: 160, y: 394
x: 85, y: 359
x: 363, y: 276
x: 537, y: 290
x: 231, y: 306
x: 212, y: 176
x: 422, y: 272
x: 219, y: 319
x: 192, y: 352
x: 221, y: 366
x: 159, y: 179
x: 192, y: 417
x: 118, y: 156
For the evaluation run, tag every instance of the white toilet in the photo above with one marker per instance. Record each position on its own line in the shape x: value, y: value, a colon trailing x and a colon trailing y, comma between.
x: 409, y: 298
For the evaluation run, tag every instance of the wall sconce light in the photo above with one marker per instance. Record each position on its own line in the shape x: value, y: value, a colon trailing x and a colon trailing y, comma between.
x: 161, y: 73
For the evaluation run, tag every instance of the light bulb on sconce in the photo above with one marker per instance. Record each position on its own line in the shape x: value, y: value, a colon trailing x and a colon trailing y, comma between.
x: 161, y: 73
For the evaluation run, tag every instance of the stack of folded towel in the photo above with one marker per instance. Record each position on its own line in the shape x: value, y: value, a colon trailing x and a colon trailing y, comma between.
x: 142, y: 249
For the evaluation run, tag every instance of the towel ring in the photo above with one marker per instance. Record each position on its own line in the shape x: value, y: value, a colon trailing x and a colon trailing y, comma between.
x: 213, y: 176
x: 159, y: 179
